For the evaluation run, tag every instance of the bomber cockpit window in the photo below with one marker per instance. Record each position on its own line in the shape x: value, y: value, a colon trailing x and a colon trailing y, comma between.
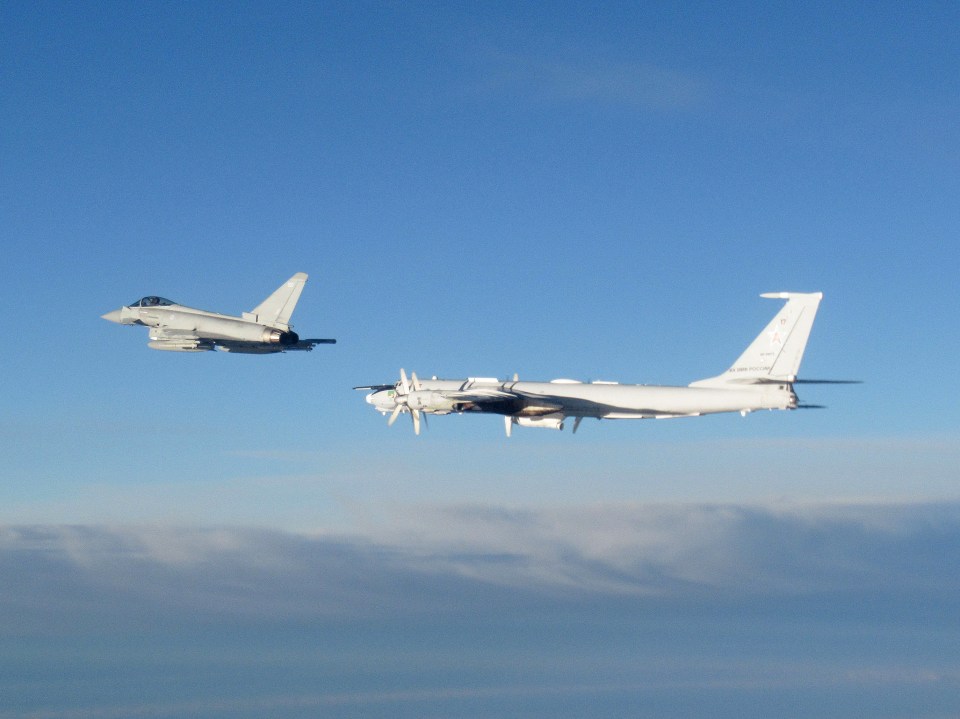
x: 152, y: 301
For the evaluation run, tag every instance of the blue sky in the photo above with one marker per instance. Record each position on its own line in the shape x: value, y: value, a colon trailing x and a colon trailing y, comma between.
x: 556, y: 190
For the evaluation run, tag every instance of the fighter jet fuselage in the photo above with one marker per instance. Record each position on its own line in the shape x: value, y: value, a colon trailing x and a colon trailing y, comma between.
x: 178, y: 328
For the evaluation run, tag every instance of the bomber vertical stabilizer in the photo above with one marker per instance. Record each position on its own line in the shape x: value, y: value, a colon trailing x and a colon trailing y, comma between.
x: 775, y: 355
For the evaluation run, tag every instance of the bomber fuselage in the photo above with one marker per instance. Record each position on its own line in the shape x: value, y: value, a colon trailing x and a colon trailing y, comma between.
x: 602, y: 400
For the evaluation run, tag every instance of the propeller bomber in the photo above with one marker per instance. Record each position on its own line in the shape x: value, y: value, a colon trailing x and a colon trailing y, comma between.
x: 761, y: 378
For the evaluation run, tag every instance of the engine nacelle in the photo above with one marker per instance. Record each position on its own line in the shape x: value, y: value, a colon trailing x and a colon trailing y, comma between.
x: 429, y: 401
x: 549, y: 422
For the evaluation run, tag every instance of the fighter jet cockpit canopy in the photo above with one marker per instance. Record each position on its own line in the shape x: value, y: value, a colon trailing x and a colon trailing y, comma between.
x: 152, y: 301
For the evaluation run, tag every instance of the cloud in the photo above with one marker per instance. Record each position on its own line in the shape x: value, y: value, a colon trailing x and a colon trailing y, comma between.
x: 675, y: 549
x: 469, y: 609
x: 428, y: 555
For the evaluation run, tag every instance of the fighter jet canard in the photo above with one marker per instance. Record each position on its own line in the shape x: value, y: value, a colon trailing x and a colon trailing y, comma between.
x: 761, y: 378
x: 178, y: 328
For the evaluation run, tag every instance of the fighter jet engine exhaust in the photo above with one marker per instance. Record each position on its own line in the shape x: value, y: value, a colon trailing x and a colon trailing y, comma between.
x: 282, y: 338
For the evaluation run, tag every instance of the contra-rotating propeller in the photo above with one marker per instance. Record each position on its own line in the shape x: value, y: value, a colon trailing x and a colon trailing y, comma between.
x: 402, y: 400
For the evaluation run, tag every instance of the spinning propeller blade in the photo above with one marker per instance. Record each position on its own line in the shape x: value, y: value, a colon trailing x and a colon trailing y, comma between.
x: 394, y: 415
x: 403, y: 388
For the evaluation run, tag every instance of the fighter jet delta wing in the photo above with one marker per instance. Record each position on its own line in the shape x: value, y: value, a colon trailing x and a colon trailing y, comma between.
x: 761, y: 378
x: 178, y: 328
x: 252, y: 348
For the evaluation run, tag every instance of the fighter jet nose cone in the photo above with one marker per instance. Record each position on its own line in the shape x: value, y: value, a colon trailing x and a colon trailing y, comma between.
x: 112, y: 316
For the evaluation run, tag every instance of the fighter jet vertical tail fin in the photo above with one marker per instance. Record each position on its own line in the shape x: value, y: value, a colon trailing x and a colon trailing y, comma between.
x: 277, y: 309
x: 775, y: 355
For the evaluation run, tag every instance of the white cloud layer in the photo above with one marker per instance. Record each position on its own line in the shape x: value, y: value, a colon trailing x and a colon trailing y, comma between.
x: 449, y: 610
x: 667, y: 550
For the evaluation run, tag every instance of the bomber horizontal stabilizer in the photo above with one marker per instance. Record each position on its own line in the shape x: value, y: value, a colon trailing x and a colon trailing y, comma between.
x: 828, y: 381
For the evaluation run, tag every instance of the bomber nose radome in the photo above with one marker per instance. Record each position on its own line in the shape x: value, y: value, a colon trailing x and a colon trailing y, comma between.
x: 112, y: 316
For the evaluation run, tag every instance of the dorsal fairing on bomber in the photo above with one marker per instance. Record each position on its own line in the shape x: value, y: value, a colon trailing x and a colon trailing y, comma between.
x: 775, y: 355
x: 276, y: 310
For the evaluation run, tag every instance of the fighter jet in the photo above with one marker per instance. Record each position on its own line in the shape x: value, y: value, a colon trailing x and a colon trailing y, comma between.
x: 178, y: 328
x: 761, y: 378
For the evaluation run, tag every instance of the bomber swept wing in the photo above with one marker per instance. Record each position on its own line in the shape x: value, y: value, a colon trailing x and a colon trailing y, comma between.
x: 179, y: 328
x: 761, y: 378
